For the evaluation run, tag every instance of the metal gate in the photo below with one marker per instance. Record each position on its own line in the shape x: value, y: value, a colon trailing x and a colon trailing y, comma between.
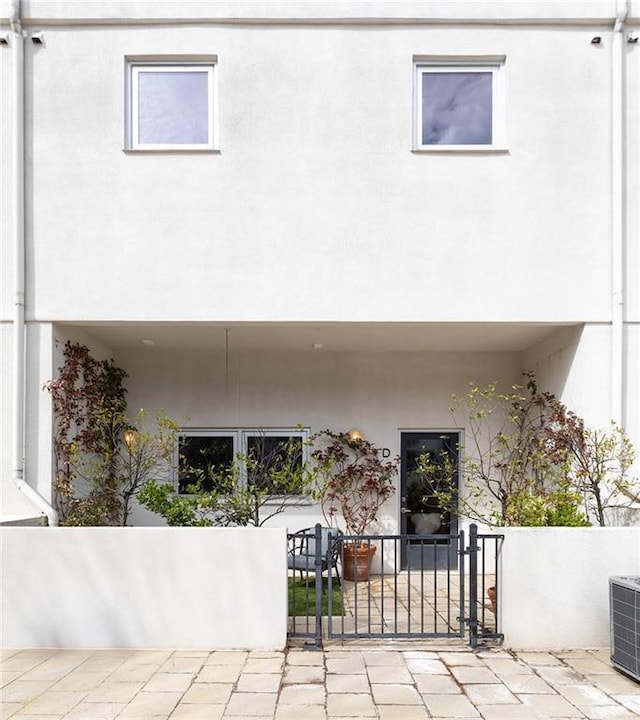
x: 422, y: 600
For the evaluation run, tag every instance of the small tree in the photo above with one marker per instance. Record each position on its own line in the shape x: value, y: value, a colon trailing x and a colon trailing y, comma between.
x: 102, y: 457
x: 145, y: 454
x: 531, y: 461
x: 276, y: 478
x: 354, y: 480
x: 507, y: 457
x: 597, y: 463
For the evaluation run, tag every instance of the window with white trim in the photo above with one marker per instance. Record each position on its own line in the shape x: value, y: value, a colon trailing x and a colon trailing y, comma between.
x: 208, y: 457
x: 459, y: 105
x: 170, y: 105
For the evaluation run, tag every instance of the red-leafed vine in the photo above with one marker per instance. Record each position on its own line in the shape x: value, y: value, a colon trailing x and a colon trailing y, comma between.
x: 89, y: 404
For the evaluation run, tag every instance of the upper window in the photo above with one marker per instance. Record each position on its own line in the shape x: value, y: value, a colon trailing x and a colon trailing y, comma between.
x: 170, y: 106
x: 458, y: 105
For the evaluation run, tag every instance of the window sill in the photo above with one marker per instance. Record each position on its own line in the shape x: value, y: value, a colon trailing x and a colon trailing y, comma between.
x: 273, y: 500
x: 289, y: 500
x: 462, y: 150
x: 171, y: 151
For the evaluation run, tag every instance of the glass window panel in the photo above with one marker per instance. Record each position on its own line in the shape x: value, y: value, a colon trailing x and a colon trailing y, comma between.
x: 457, y: 108
x: 272, y: 461
x: 423, y: 488
x: 173, y: 108
x: 202, y: 459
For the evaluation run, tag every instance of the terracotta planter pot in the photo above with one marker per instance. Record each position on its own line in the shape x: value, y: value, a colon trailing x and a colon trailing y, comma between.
x: 491, y: 594
x: 356, y: 561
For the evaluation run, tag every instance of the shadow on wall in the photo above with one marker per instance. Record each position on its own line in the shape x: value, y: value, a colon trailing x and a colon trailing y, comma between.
x: 623, y: 516
x: 552, y: 360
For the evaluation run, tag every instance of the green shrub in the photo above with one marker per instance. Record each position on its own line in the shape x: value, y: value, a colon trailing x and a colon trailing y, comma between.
x: 556, y: 507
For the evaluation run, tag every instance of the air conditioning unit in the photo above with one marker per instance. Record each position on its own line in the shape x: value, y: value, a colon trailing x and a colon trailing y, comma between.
x: 624, y: 606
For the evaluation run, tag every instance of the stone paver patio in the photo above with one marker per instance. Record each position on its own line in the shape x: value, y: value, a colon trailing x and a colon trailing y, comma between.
x: 399, y: 681
x: 402, y: 604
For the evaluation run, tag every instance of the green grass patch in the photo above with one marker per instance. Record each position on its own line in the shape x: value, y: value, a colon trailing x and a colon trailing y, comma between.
x: 302, y: 597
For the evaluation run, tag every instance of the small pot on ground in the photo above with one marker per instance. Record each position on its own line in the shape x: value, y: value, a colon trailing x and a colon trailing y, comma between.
x: 491, y: 594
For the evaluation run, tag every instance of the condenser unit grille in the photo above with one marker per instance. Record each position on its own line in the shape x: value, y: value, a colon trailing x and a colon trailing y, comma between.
x: 624, y: 597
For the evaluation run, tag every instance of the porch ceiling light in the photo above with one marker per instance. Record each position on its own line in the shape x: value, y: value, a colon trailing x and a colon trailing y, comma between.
x: 148, y: 342
x: 317, y: 345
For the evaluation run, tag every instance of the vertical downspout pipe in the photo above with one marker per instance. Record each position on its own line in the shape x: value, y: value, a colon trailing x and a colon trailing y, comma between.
x: 618, y: 206
x: 19, y: 369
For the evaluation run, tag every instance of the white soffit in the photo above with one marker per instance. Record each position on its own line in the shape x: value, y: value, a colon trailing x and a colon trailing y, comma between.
x: 343, y: 337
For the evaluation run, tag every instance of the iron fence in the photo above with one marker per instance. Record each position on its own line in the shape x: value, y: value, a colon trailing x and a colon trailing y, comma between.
x: 417, y: 601
x: 487, y: 581
x: 440, y: 589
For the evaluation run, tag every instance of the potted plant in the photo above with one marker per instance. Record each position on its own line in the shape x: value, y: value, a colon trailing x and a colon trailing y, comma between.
x: 354, y: 482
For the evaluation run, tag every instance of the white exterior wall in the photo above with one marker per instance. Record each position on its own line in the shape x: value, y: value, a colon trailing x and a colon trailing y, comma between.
x: 45, y: 357
x: 316, y: 210
x: 575, y: 364
x: 213, y: 588
x: 380, y: 394
x: 39, y: 421
x: 555, y: 584
x: 323, y: 115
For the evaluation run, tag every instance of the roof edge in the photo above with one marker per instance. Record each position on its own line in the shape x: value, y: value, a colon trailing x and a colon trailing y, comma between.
x: 356, y: 12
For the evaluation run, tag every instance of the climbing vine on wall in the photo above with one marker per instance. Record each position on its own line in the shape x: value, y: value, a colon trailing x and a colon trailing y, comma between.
x: 89, y: 404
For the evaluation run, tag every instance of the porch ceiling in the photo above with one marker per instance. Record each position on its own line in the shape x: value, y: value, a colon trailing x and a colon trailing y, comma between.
x: 332, y: 337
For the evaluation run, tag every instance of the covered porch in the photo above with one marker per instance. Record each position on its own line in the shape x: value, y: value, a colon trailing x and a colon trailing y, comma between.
x: 384, y: 379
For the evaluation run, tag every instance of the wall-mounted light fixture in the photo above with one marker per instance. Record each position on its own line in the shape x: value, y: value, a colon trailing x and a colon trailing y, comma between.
x: 37, y: 38
x: 596, y: 40
x: 355, y: 436
x: 4, y: 39
x: 130, y: 438
x: 632, y: 39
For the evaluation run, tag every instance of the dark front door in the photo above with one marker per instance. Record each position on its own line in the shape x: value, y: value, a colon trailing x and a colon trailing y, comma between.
x: 429, y: 470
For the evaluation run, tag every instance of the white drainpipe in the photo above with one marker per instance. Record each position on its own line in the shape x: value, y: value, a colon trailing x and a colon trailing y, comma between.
x: 618, y: 200
x: 17, y: 43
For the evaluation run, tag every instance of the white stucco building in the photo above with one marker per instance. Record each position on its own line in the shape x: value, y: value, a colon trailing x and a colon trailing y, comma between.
x: 329, y: 239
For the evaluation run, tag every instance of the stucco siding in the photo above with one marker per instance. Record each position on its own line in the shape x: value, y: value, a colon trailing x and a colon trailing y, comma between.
x: 361, y: 227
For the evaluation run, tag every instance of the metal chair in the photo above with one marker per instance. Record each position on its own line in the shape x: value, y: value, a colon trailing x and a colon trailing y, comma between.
x: 302, y: 553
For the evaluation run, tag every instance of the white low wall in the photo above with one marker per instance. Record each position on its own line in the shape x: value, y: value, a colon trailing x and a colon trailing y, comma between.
x: 221, y: 588
x: 214, y: 588
x: 554, y: 591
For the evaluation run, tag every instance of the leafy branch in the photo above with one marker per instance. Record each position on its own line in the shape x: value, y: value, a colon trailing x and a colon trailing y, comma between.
x: 353, y: 479
x: 259, y: 485
x: 529, y: 460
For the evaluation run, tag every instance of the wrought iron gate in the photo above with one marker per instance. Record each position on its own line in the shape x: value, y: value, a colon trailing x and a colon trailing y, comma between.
x: 423, y: 600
